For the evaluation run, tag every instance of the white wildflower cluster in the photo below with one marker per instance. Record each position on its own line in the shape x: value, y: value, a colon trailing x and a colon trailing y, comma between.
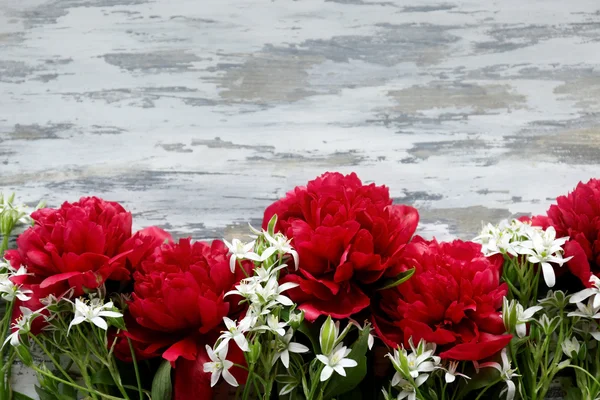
x: 262, y: 327
x: 267, y: 330
x: 516, y: 238
x: 93, y: 311
x: 8, y: 289
x: 414, y: 367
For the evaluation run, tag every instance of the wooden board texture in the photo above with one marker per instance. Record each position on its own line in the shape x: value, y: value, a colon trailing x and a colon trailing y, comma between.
x: 197, y: 114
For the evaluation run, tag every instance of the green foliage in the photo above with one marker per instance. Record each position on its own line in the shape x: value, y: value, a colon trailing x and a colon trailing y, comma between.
x: 162, y: 388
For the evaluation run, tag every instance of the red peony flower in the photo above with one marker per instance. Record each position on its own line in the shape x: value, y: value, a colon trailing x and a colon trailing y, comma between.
x: 178, y: 297
x: 347, y: 235
x: 78, y: 243
x: 32, y: 283
x: 452, y: 300
x: 577, y: 215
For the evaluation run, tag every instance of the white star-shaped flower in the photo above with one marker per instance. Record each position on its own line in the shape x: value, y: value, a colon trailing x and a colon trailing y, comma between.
x: 240, y: 251
x: 93, y: 313
x: 21, y: 326
x: 218, y: 366
x: 451, y: 373
x: 586, y: 310
x: 279, y: 244
x: 506, y: 373
x: 336, y: 361
x: 273, y: 325
x: 543, y: 249
x: 589, y: 292
x: 524, y: 316
x: 284, y: 347
x: 236, y: 332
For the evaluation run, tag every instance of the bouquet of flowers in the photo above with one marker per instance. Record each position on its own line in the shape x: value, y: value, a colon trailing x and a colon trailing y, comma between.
x: 334, y: 297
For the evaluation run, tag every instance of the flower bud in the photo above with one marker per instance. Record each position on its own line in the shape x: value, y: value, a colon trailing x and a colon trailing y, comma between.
x: 571, y: 348
x: 328, y: 336
x: 254, y: 353
x: 7, y: 222
x: 549, y: 325
x: 296, y: 320
x: 509, y: 314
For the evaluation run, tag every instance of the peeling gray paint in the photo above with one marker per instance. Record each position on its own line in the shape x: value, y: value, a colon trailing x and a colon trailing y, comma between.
x: 37, y: 132
x: 165, y: 60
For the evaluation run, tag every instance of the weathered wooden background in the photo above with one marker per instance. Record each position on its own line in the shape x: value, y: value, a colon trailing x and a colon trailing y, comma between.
x: 197, y: 114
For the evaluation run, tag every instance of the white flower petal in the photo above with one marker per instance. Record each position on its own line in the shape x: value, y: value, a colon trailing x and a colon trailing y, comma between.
x: 323, y: 359
x: 232, y: 261
x: 548, y: 273
x: 99, y: 322
x: 214, y: 378
x: 347, y: 363
x: 326, y: 373
x: 229, y: 378
x: 285, y: 358
x: 242, y: 343
x: 582, y: 295
x: 110, y: 314
x: 297, y: 348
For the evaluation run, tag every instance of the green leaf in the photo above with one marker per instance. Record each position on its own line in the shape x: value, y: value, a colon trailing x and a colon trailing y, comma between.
x: 485, y: 377
x: 44, y: 394
x: 20, y: 396
x: 67, y: 391
x: 102, y: 377
x: 24, y: 354
x: 162, y: 389
x: 353, y: 395
x: 340, y: 384
x: 286, y: 379
x: 271, y: 225
x: 311, y: 331
x: 398, y: 280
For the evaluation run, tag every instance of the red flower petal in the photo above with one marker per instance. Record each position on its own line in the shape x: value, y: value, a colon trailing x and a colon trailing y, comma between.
x: 487, y: 346
x: 349, y: 301
x: 579, y: 264
x: 185, y: 348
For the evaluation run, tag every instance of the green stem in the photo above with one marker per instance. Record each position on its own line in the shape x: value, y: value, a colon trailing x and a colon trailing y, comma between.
x: 91, y: 348
x: 577, y: 367
x: 76, y: 386
x: 4, y: 245
x: 485, y: 389
x: 56, y: 363
x: 4, y: 383
x: 239, y: 262
x: 317, y: 379
x: 137, y: 372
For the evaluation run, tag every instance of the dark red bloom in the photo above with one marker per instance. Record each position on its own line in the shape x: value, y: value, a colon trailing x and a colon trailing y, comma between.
x: 30, y: 282
x: 178, y: 297
x: 577, y: 215
x: 453, y: 300
x: 347, y: 235
x: 79, y: 243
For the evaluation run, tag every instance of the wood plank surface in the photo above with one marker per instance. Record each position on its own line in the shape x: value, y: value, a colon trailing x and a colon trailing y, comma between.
x: 198, y: 114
